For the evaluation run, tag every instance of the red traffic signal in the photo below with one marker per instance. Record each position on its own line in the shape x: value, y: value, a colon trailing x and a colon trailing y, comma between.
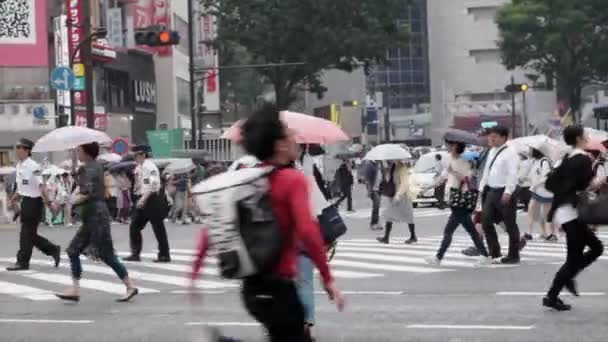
x: 155, y: 37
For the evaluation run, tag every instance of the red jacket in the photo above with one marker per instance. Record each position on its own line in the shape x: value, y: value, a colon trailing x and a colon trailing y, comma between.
x: 290, y: 200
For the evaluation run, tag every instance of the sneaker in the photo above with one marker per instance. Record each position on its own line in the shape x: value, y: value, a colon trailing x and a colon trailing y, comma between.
x: 496, y: 261
x: 528, y: 237
x: 551, y: 238
x: 471, y: 251
x: 433, y: 261
x: 556, y: 304
x: 484, y: 261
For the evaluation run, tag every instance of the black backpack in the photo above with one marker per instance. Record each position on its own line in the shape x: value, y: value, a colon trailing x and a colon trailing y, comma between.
x: 555, y: 177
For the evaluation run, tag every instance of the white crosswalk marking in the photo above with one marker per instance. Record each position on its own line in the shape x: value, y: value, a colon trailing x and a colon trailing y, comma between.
x: 355, y: 260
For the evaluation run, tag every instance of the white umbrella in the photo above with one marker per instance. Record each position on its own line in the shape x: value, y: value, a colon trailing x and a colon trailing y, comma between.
x: 596, y: 134
x: 6, y: 170
x: 53, y: 171
x: 69, y: 137
x: 388, y: 152
x: 110, y: 157
x: 553, y: 149
x: 67, y: 164
x: 180, y: 166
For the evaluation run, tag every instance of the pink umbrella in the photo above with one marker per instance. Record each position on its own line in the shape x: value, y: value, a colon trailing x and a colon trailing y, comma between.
x: 308, y: 129
x: 594, y: 144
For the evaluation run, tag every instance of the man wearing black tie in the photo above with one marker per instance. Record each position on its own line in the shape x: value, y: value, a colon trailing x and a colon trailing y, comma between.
x: 499, y: 198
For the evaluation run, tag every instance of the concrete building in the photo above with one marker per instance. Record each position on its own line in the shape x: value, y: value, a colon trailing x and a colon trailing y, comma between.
x: 467, y: 77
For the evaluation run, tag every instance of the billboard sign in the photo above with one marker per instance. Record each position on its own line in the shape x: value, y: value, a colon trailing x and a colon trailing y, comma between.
x: 23, y: 33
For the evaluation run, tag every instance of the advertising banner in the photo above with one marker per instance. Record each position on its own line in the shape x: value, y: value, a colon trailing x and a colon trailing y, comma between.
x: 146, y: 13
x: 23, y: 33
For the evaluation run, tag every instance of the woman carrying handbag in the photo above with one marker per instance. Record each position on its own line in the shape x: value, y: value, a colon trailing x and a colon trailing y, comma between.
x: 462, y: 198
x: 400, y: 209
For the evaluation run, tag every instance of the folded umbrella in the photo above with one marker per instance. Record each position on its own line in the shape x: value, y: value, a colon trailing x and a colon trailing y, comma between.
x: 388, y: 152
x: 69, y: 137
x: 308, y: 129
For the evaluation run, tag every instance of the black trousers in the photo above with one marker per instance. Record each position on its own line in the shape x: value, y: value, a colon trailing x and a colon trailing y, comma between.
x: 274, y: 302
x: 578, y: 236
x: 346, y: 194
x: 32, y: 211
x: 154, y: 213
x: 375, y: 197
x: 493, y: 209
x: 440, y: 195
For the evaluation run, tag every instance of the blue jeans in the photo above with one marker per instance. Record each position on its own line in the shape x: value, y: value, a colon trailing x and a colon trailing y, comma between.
x: 306, y: 287
x: 458, y: 217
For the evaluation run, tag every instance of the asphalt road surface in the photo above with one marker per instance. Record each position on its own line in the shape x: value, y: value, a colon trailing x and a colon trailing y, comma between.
x: 393, y: 295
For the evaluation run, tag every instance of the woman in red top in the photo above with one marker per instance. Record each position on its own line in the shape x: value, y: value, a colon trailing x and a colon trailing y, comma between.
x: 272, y: 299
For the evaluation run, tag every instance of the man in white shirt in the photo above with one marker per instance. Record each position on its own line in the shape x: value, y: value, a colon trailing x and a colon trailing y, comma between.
x: 31, y: 192
x: 150, y: 207
x: 499, y: 198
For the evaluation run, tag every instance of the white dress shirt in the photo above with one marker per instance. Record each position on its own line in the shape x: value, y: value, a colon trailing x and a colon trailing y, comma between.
x: 147, y: 177
x: 29, y: 178
x: 504, y: 171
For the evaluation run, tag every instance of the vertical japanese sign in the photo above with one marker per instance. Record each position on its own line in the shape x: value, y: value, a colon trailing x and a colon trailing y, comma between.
x: 75, y: 37
x: 210, y: 59
x: 62, y: 56
x: 114, y: 25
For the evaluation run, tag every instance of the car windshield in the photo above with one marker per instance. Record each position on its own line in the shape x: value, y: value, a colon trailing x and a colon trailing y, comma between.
x: 427, y: 164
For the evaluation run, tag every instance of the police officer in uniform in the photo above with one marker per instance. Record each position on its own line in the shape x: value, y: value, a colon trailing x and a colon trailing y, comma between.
x: 31, y: 191
x: 150, y: 206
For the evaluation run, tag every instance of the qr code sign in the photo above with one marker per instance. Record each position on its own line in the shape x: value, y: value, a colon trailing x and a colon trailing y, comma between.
x: 17, y: 22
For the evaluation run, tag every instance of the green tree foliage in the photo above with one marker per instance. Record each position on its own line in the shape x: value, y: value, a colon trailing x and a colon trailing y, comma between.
x: 323, y: 34
x: 565, y: 40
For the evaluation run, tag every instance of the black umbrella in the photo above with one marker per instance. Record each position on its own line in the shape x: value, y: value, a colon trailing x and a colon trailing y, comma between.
x: 464, y: 137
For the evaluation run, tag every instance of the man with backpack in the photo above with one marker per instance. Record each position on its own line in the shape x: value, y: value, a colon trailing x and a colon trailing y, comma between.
x: 258, y: 225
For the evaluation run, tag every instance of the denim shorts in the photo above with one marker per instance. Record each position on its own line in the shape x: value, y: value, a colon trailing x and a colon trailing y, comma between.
x: 541, y: 199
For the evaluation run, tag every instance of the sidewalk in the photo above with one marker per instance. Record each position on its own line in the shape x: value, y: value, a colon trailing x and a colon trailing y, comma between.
x: 8, y: 226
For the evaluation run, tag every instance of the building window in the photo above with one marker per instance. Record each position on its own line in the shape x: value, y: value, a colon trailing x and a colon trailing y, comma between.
x: 5, y: 159
x: 183, y: 96
x: 485, y: 55
x: 483, y: 12
x: 181, y: 26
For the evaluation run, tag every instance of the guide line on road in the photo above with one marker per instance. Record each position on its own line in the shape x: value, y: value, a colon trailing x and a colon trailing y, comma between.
x: 45, y: 321
x: 470, y: 327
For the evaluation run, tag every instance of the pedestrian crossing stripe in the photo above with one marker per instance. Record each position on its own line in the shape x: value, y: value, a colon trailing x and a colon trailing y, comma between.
x: 356, y: 259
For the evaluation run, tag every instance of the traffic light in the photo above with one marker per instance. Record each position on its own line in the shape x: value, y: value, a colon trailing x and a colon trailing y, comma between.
x: 153, y: 36
x: 517, y: 88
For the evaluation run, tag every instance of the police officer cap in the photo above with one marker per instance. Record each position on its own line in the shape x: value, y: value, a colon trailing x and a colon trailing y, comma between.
x: 25, y: 143
x: 142, y: 149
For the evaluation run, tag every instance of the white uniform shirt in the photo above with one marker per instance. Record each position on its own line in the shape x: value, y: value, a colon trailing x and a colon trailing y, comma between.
x: 147, y: 178
x: 317, y: 200
x: 29, y: 178
x: 504, y: 172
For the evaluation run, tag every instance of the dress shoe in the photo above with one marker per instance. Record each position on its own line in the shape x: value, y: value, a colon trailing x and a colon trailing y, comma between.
x: 556, y: 304
x: 509, y: 260
x: 130, y: 294
x: 382, y: 240
x: 163, y: 259
x: 57, y: 256
x: 411, y: 241
x: 18, y: 267
x: 67, y: 297
x: 133, y: 258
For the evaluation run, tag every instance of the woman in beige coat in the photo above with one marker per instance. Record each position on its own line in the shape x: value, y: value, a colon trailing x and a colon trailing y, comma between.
x: 400, y: 208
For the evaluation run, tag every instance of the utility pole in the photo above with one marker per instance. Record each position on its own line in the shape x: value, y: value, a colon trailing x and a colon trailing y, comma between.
x: 87, y: 57
x: 513, y: 135
x: 193, y: 106
x: 525, y: 112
